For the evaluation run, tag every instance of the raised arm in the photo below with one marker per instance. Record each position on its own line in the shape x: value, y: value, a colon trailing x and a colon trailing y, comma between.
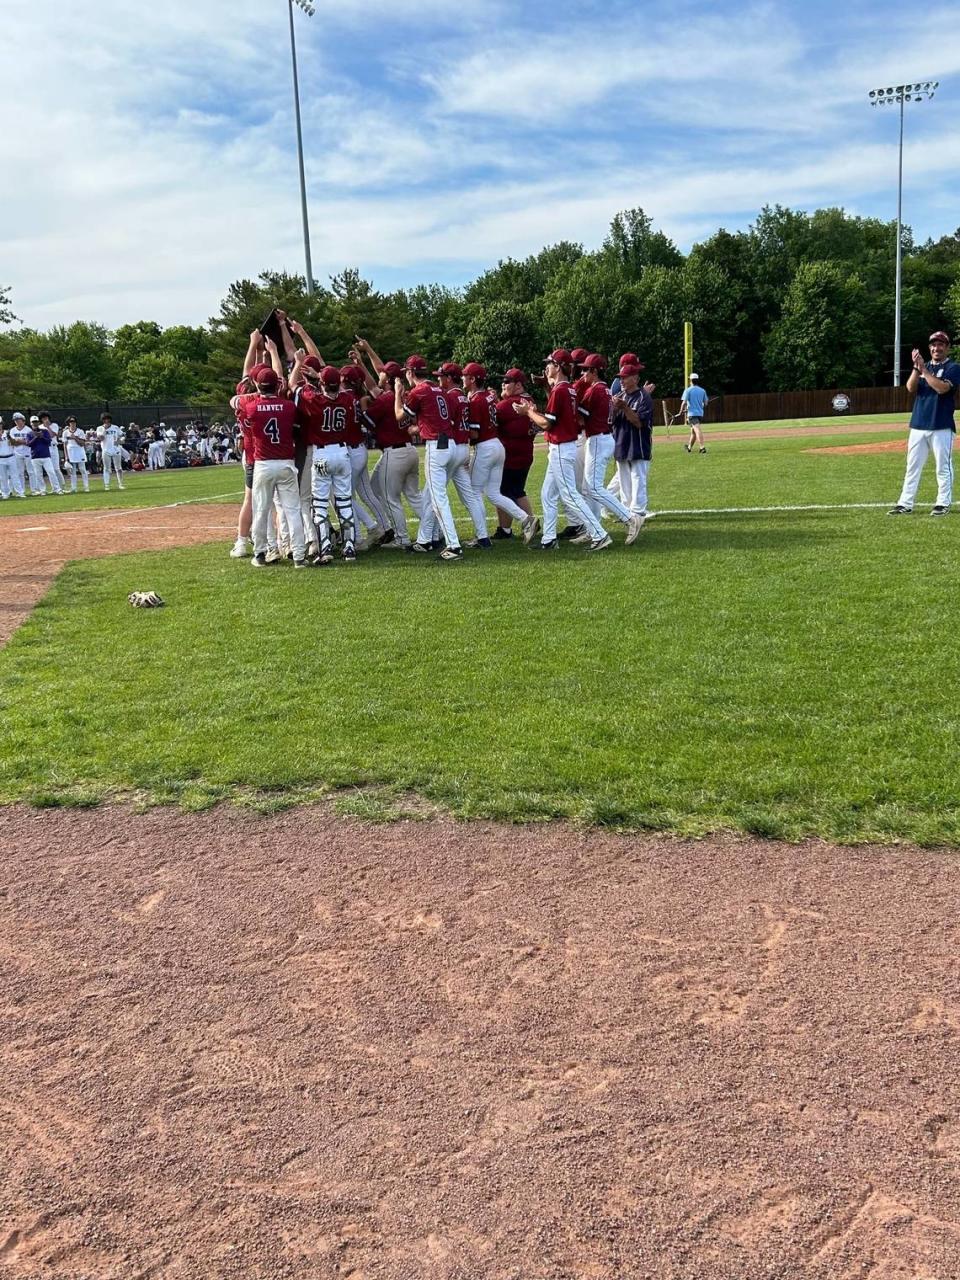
x: 364, y: 345
x: 306, y: 341
x: 256, y: 337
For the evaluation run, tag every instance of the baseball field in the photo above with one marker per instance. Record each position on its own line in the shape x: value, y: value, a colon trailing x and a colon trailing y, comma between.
x: 537, y: 916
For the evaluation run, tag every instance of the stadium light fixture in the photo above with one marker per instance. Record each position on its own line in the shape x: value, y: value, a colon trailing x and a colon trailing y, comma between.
x: 309, y: 10
x: 920, y: 91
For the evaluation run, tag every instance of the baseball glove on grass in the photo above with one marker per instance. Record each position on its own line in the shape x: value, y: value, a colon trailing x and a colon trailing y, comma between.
x: 145, y: 600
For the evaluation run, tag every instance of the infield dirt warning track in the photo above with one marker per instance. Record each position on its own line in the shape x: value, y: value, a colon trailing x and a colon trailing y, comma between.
x: 302, y: 1047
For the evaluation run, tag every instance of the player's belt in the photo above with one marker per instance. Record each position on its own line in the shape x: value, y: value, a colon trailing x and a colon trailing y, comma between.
x: 405, y: 445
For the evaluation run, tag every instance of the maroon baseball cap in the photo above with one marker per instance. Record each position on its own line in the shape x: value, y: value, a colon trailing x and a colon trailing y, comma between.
x: 266, y: 377
x: 258, y: 369
x: 313, y: 363
x: 242, y: 386
x: 392, y: 369
x: 939, y: 336
x: 630, y: 370
x: 560, y: 356
x: 330, y: 375
x: 595, y: 362
x: 514, y: 375
x: 475, y: 370
x: 352, y: 373
x: 416, y: 364
x: 578, y: 355
x: 449, y: 369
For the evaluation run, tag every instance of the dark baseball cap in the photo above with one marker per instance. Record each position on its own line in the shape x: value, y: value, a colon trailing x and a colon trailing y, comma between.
x: 560, y: 356
x: 330, y: 375
x: 449, y: 369
x: 514, y: 375
x: 630, y: 370
x: 266, y: 377
x: 352, y: 373
x: 939, y: 336
x: 595, y: 362
x: 475, y: 370
x: 311, y: 362
x: 392, y: 369
x: 416, y: 364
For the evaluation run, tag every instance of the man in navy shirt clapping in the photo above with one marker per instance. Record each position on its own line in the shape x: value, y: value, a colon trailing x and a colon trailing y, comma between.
x: 934, y: 382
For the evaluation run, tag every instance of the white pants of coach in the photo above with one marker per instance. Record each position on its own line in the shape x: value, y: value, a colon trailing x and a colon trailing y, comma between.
x: 486, y: 476
x: 276, y: 476
x: 10, y: 481
x: 368, y: 508
x: 598, y: 455
x: 44, y: 468
x: 395, y: 477
x: 633, y: 485
x: 331, y: 472
x: 112, y: 462
x: 438, y: 468
x: 919, y: 445
x: 560, y: 485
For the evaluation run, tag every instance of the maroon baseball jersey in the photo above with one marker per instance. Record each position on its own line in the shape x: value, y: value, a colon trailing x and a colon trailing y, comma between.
x: 595, y: 409
x: 482, y: 415
x: 580, y: 387
x: 386, y: 428
x: 271, y: 423
x: 514, y: 430
x: 427, y: 404
x: 355, y: 434
x: 325, y: 418
x: 561, y: 411
x: 459, y: 406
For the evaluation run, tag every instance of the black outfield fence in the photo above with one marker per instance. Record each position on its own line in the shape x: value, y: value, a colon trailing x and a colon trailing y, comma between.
x: 800, y: 404
x: 173, y: 415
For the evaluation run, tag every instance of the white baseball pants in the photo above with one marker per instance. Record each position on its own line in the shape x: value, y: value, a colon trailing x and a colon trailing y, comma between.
x: 395, y: 477
x: 375, y: 516
x: 438, y: 468
x: 57, y: 470
x: 560, y: 485
x: 465, y: 490
x: 43, y: 468
x: 331, y: 471
x: 24, y: 474
x: 80, y: 468
x: 10, y: 481
x: 919, y: 445
x: 276, y: 476
x: 112, y: 462
x: 633, y: 485
x: 486, y: 476
x: 597, y: 456
x: 35, y: 475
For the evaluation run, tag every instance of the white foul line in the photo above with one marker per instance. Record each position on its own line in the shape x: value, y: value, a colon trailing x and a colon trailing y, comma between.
x: 737, y: 511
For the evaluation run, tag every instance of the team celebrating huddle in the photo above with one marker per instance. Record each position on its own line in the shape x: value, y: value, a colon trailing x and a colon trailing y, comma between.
x: 308, y: 429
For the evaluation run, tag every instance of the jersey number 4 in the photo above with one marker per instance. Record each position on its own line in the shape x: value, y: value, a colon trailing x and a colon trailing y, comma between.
x: 271, y: 430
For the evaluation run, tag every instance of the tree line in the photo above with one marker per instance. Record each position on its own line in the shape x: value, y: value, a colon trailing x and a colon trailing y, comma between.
x: 797, y: 301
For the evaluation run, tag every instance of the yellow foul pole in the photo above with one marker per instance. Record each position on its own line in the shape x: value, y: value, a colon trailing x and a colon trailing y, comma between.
x: 687, y: 352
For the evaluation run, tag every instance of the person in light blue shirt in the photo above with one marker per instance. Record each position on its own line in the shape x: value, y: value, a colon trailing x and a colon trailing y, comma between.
x: 695, y: 401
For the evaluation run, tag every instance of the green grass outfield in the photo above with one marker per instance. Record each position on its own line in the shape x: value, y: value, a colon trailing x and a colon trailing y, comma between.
x: 784, y: 672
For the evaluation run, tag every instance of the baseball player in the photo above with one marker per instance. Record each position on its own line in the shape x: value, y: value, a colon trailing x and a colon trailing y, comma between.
x: 695, y: 401
x: 326, y: 413
x: 367, y: 506
x: 397, y: 473
x: 41, y: 446
x: 517, y: 434
x: 560, y: 423
x: 450, y: 375
x: 54, y: 429
x: 489, y: 455
x: 20, y: 435
x: 425, y: 407
x: 271, y: 420
x: 934, y: 382
x: 75, y: 444
x: 633, y: 435
x: 110, y: 437
x: 241, y: 548
x: 594, y: 409
x: 10, y: 482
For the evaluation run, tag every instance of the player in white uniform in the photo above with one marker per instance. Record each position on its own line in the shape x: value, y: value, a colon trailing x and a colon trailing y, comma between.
x: 20, y: 436
x: 111, y: 438
x: 75, y: 443
x: 54, y: 429
x: 10, y: 482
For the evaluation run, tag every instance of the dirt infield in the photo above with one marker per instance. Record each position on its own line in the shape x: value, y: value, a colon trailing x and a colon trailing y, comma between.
x: 34, y: 548
x: 879, y: 446
x: 781, y: 433
x: 306, y: 1048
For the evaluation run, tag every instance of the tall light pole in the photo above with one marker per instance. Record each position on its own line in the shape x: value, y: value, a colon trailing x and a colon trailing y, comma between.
x: 309, y: 10
x: 884, y: 98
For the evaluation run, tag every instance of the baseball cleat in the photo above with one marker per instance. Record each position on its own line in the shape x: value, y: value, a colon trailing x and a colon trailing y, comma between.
x: 634, y: 525
x: 581, y: 539
x: 241, y: 549
x: 688, y: 448
x: 550, y: 545
x: 259, y: 561
x: 531, y: 527
x: 272, y: 556
x: 421, y: 548
x: 451, y: 553
x: 502, y: 535
x: 350, y: 553
x: 484, y: 544
x: 601, y: 544
x: 704, y: 449
x: 571, y: 531
x: 900, y: 510
x: 300, y: 564
x: 939, y: 510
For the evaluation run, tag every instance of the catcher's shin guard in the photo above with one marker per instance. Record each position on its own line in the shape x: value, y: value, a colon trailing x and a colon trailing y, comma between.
x: 347, y: 528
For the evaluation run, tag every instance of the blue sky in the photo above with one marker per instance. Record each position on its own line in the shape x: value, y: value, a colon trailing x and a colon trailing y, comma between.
x: 150, y: 148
